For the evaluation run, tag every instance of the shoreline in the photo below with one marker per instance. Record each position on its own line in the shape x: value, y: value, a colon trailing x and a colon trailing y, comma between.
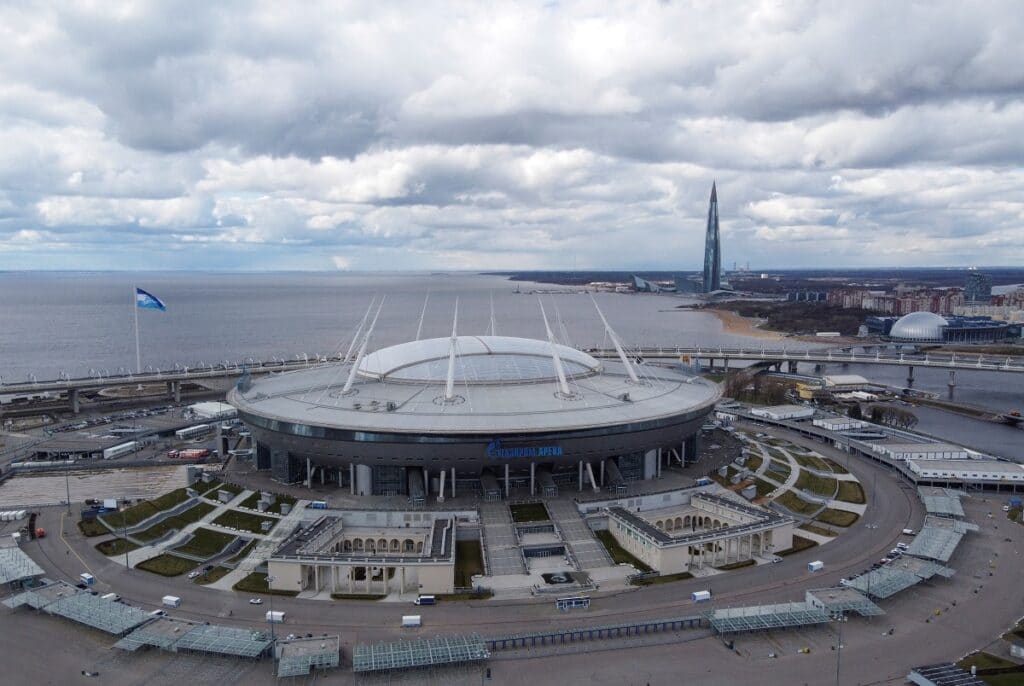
x: 737, y: 325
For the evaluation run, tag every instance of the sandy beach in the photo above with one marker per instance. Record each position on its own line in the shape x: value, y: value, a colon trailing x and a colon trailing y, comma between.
x: 733, y: 323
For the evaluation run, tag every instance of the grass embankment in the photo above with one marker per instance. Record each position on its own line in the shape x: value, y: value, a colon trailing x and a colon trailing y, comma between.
x: 1014, y: 514
x: 753, y: 462
x: 92, y: 527
x: 778, y: 455
x: 211, y: 493
x: 469, y: 560
x: 257, y: 583
x: 763, y: 487
x: 215, y: 574
x: 815, y: 529
x: 780, y: 470
x: 166, y: 565
x: 144, y: 510
x: 177, y: 522
x: 736, y: 565
x: 529, y: 512
x: 836, y: 467
x: 662, y: 579
x: 205, y: 543
x: 812, y: 461
x: 619, y: 554
x: 799, y: 544
x: 253, y: 500
x: 116, y: 546
x: 983, y: 660
x: 851, y: 492
x: 241, y: 554
x: 838, y: 517
x: 245, y: 521
x: 821, y: 485
x: 794, y: 503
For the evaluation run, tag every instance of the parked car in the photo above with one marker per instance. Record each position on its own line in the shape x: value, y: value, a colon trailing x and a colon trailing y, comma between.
x: 255, y: 601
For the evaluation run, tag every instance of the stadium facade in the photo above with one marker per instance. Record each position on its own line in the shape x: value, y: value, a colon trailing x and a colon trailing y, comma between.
x: 487, y: 413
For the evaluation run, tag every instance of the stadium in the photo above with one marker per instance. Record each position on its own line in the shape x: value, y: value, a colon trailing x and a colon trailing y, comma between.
x: 483, y: 413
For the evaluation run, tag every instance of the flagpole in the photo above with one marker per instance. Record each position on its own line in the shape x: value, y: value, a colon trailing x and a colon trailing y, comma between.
x: 138, y: 353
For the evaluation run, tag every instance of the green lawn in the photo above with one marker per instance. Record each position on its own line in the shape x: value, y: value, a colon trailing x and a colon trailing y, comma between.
x: 983, y: 660
x: 529, y: 512
x: 836, y: 467
x: 215, y: 574
x: 662, y: 579
x: 205, y: 543
x: 241, y: 554
x: 245, y: 521
x: 144, y: 510
x: 115, y: 546
x: 753, y: 462
x: 794, y: 503
x: 1014, y: 514
x: 618, y: 553
x: 851, y: 492
x: 778, y: 455
x: 780, y: 470
x: 167, y: 565
x: 763, y: 487
x: 815, y: 529
x: 92, y: 527
x: 211, y: 492
x: 178, y: 522
x: 838, y: 517
x: 822, y: 485
x: 257, y: 583
x: 469, y: 560
x: 812, y: 461
x: 799, y: 544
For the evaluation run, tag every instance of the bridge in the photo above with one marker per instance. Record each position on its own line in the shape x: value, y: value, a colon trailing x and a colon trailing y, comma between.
x: 72, y: 387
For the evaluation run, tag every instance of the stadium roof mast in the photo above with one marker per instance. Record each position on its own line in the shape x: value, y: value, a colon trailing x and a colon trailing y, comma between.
x: 494, y: 327
x: 449, y: 384
x: 563, y: 385
x: 423, y: 313
x: 362, y: 349
x: 359, y: 330
x: 618, y: 346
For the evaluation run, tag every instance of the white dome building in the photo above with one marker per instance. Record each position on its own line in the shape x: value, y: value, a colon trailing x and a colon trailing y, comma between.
x: 919, y: 327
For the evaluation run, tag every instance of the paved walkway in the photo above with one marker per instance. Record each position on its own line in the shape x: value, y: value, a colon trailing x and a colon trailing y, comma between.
x: 589, y: 552
x: 500, y: 546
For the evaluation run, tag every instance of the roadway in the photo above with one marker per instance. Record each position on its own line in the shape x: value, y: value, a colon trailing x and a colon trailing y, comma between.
x: 892, y: 507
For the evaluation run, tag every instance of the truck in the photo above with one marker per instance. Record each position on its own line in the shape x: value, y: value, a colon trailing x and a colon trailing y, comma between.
x: 815, y: 566
x: 87, y: 578
x: 411, y: 621
x: 425, y: 600
x: 121, y: 449
x: 700, y: 596
x: 171, y: 601
x: 193, y: 454
x: 275, y: 617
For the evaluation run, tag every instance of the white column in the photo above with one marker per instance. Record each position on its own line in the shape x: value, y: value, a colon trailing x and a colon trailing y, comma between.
x: 426, y: 481
x: 309, y: 473
x: 580, y: 465
x: 593, y: 481
x: 600, y: 466
x: 322, y: 478
x: 364, y: 480
x: 508, y: 485
x: 402, y: 581
x: 440, y: 491
x: 533, y: 474
x: 351, y: 579
x: 453, y: 488
x: 352, y: 483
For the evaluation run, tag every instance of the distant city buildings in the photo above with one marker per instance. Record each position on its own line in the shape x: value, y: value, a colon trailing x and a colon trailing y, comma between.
x: 903, y: 300
x: 807, y: 296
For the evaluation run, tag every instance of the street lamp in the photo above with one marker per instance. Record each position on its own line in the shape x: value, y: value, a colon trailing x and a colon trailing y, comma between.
x: 839, y: 619
x: 270, y: 617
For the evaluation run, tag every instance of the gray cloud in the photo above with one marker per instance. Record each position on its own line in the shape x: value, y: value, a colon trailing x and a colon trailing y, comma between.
x: 509, y: 135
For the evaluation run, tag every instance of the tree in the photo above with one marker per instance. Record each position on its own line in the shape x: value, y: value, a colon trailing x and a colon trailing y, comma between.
x: 855, y: 412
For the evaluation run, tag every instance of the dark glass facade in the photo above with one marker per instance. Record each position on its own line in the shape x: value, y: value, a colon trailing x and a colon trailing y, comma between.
x: 712, y: 248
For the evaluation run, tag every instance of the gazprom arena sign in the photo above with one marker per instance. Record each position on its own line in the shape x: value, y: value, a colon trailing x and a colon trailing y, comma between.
x: 496, y: 451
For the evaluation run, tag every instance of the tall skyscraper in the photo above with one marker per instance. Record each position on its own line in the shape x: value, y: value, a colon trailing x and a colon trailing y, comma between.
x: 712, y: 248
x: 978, y: 288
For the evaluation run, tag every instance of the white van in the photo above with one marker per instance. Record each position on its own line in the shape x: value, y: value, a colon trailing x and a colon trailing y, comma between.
x: 425, y: 600
x: 908, y: 532
x: 411, y: 621
x: 112, y: 597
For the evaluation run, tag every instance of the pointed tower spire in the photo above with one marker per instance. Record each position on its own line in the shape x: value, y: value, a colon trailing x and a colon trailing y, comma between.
x: 712, y: 246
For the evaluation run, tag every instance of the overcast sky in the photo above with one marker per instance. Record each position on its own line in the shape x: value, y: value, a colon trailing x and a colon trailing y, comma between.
x: 419, y: 135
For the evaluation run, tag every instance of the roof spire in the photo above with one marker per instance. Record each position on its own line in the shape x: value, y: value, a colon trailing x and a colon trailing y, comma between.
x: 714, y: 192
x: 563, y: 385
x: 362, y: 349
x: 449, y: 384
x: 618, y: 346
x: 359, y: 330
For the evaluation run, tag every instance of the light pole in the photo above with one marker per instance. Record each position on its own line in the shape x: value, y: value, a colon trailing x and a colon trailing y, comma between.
x: 270, y: 617
x: 840, y: 619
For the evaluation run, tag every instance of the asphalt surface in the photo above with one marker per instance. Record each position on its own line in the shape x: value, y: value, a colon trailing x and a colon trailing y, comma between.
x: 975, y: 620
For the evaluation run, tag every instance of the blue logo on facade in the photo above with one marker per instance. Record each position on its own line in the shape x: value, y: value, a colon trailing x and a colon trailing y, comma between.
x: 494, y: 450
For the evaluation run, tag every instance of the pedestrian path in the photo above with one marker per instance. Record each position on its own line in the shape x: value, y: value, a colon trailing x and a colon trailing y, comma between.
x: 589, y: 552
x: 500, y: 545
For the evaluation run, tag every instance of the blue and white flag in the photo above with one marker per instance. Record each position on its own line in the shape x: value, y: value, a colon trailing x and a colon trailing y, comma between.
x: 148, y: 300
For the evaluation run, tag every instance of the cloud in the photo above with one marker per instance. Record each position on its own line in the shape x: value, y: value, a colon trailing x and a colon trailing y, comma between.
x: 509, y: 135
